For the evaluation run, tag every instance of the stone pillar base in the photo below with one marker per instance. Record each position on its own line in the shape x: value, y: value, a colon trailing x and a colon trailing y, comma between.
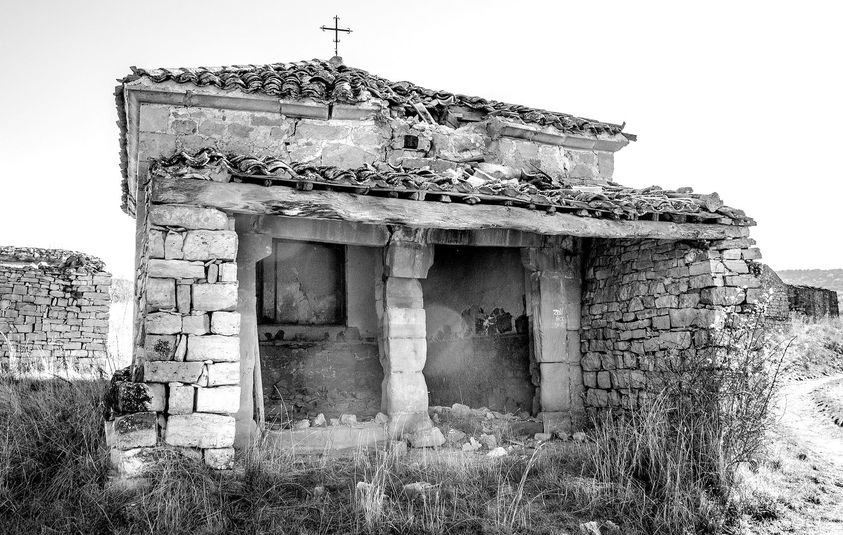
x: 562, y: 422
x: 406, y: 424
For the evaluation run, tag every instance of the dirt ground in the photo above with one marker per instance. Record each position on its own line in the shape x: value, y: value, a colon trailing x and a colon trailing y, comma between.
x: 799, y: 487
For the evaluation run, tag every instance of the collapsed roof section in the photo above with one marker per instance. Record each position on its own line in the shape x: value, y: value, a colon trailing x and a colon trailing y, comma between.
x: 329, y: 90
x: 471, y: 183
x: 333, y: 82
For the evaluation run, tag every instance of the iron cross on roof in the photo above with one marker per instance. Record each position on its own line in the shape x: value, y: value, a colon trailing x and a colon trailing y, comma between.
x: 336, y: 29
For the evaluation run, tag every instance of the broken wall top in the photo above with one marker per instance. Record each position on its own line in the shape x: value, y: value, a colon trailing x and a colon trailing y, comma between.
x: 27, y: 257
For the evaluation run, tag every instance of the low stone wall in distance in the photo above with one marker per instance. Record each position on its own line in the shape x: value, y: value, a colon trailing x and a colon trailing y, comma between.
x: 812, y: 302
x: 54, y: 307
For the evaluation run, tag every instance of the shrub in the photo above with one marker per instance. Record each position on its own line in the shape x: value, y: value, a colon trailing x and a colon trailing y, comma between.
x: 670, y: 467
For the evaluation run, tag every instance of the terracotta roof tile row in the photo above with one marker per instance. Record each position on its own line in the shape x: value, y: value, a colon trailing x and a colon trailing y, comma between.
x: 468, y: 183
x: 334, y: 82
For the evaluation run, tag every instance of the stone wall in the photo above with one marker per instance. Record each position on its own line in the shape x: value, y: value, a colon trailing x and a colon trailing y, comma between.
x: 776, y: 304
x: 349, y: 143
x: 54, y: 308
x: 478, y: 348
x: 184, y: 384
x: 646, y: 303
x: 812, y: 302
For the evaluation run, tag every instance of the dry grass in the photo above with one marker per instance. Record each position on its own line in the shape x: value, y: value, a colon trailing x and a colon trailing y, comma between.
x: 648, y: 473
x: 816, y: 347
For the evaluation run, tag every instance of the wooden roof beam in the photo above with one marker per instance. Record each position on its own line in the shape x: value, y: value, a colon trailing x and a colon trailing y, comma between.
x: 241, y: 198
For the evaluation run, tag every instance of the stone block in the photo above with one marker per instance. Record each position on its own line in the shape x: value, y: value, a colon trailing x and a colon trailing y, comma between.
x: 226, y: 323
x: 219, y: 458
x: 163, y: 323
x: 736, y: 266
x: 724, y: 296
x: 183, y: 299
x: 176, y: 269
x: 166, y: 372
x: 173, y: 244
x: 426, y: 438
x: 589, y: 379
x: 752, y: 253
x: 674, y: 340
x: 667, y: 301
x: 153, y: 118
x: 743, y: 281
x: 195, y: 324
x: 228, y: 272
x: 707, y: 267
x: 200, y: 430
x: 219, y: 399
x: 597, y: 398
x: 160, y: 294
x: 408, y: 260
x: 700, y: 317
x: 189, y: 217
x: 590, y: 362
x: 405, y: 393
x: 661, y: 322
x: 156, y: 244
x: 559, y: 383
x: 212, y: 297
x: 604, y: 380
x: 133, y: 397
x: 213, y: 347
x: 158, y: 397
x: 136, y: 430
x: 404, y: 354
x: 159, y: 346
x: 210, y: 245
x: 403, y: 293
x: 132, y: 463
x: 181, y: 399
x: 222, y: 373
x: 404, y: 323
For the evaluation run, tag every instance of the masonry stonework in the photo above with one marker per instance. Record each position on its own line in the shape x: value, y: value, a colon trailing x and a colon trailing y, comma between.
x: 647, y: 304
x: 185, y: 372
x: 54, y: 308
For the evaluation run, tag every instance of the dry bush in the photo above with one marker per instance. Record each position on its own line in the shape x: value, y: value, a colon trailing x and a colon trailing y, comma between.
x: 670, y: 467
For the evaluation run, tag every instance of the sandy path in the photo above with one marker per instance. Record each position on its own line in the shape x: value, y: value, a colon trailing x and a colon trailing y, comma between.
x: 801, y: 417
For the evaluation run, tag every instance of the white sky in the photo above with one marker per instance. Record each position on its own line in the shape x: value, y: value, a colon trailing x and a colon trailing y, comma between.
x: 742, y: 98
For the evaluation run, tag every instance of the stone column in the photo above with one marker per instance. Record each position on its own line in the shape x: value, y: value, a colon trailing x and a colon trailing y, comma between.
x: 555, y: 294
x: 403, y: 345
x: 187, y: 385
x: 249, y: 419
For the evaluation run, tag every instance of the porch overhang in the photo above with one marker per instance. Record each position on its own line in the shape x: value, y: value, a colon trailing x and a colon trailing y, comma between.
x: 242, y: 198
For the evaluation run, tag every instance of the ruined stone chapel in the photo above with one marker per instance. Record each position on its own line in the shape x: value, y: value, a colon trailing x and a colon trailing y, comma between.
x: 317, y: 241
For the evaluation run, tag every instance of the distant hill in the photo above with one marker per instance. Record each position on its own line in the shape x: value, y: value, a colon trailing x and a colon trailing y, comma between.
x: 823, y: 278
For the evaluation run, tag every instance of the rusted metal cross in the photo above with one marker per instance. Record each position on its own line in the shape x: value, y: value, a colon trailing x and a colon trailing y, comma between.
x: 336, y: 29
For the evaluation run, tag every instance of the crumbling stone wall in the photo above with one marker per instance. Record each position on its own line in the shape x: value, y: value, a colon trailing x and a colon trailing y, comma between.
x: 775, y: 303
x: 54, y: 307
x: 646, y: 302
x: 812, y: 302
x: 369, y: 135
